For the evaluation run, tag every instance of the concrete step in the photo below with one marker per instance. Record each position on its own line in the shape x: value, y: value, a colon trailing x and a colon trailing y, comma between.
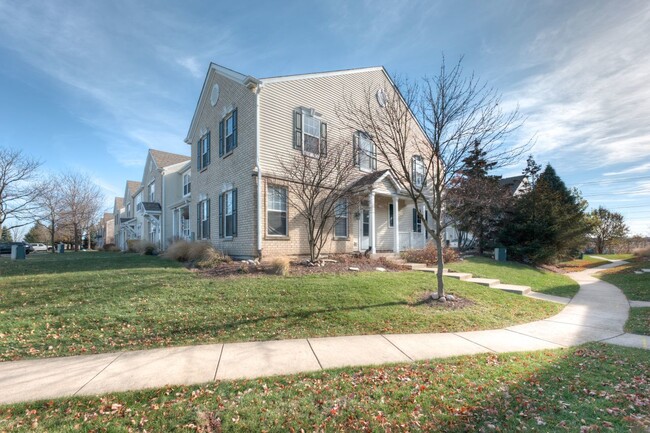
x: 490, y: 282
x: 433, y: 270
x: 512, y: 288
x: 459, y: 275
x: 415, y: 266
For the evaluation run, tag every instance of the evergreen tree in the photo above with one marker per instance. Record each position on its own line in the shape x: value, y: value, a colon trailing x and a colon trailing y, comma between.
x: 38, y: 233
x: 548, y: 222
x: 6, y: 235
x: 477, y: 200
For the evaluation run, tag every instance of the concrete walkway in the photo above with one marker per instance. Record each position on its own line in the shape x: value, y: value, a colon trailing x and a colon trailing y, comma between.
x: 597, y: 313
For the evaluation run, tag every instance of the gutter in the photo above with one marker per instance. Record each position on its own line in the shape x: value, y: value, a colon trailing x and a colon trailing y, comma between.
x: 259, y: 169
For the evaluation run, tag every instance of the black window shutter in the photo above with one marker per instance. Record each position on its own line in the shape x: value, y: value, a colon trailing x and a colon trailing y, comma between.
x: 323, y: 138
x: 297, y: 127
x: 374, y: 156
x: 426, y: 218
x: 415, y: 220
x: 355, y: 149
x: 234, y: 212
x: 413, y: 170
x: 198, y: 155
x: 198, y: 221
x: 234, y: 128
x: 208, y: 219
x: 221, y: 138
x: 208, y: 138
x: 220, y: 215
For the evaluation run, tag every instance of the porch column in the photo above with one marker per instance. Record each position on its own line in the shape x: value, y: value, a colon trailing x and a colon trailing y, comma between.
x: 373, y: 243
x: 395, y: 224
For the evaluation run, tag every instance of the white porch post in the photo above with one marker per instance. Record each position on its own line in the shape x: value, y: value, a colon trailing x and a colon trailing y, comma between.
x: 373, y: 244
x: 395, y: 224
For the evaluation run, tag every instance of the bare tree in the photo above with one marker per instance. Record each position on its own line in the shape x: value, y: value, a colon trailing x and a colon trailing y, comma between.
x: 607, y: 226
x: 17, y: 172
x: 425, y: 156
x: 318, y: 188
x: 81, y: 202
x: 49, y: 199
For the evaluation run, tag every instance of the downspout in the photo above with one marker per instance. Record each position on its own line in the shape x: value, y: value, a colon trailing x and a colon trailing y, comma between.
x: 259, y: 170
x: 162, y: 210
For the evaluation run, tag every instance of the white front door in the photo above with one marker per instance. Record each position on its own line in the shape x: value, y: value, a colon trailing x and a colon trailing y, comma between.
x: 364, y: 230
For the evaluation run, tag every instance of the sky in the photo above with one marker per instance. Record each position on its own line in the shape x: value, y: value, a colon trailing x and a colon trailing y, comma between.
x: 90, y: 86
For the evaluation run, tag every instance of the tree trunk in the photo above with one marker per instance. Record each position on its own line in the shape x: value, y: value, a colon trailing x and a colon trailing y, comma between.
x: 441, y: 264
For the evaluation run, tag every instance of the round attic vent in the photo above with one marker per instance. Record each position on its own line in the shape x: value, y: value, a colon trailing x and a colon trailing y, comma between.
x: 214, y: 96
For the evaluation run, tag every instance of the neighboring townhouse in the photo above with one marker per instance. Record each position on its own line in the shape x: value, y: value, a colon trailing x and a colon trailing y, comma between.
x: 178, y: 187
x: 128, y: 226
x: 160, y: 181
x: 242, y: 130
x: 516, y: 184
x: 106, y: 231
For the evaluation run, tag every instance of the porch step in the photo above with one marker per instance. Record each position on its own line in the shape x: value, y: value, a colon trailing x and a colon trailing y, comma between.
x: 512, y: 288
x: 489, y: 282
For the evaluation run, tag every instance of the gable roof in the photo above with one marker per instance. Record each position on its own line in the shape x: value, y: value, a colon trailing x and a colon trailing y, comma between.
x: 165, y: 159
x: 513, y: 182
x: 372, y: 178
x: 132, y: 186
x: 119, y: 203
x: 320, y: 74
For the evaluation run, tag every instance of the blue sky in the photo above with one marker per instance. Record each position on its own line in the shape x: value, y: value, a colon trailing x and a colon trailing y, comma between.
x: 91, y: 85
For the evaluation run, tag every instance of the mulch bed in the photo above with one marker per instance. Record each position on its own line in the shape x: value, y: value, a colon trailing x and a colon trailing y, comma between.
x: 302, y: 267
x: 457, y: 304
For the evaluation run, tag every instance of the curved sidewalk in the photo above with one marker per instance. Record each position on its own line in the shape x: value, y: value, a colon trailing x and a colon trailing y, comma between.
x: 597, y: 313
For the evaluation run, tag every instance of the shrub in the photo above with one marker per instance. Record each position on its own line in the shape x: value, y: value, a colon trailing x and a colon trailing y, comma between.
x: 131, y: 245
x: 145, y: 248
x: 203, y: 254
x: 642, y: 252
x: 429, y: 255
x: 280, y: 266
x: 110, y: 248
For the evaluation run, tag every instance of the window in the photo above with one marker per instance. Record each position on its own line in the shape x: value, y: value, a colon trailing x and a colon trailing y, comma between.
x: 391, y: 215
x: 228, y: 214
x: 203, y: 219
x: 152, y: 192
x: 418, y: 172
x: 310, y: 133
x: 128, y: 210
x: 276, y: 211
x: 341, y: 219
x: 187, y: 184
x: 203, y: 158
x: 228, y: 133
x: 152, y: 232
x: 364, y: 151
x: 417, y: 222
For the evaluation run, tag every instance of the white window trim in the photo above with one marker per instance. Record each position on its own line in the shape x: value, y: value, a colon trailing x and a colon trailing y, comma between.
x: 205, y: 216
x: 347, y: 220
x: 188, y: 184
x: 151, y: 189
x: 204, y: 150
x: 419, y: 174
x: 227, y: 194
x: 370, y: 156
x: 311, y: 113
x: 226, y: 135
x: 269, y: 209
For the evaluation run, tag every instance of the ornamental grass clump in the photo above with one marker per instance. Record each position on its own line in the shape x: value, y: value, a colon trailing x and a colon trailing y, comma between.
x: 280, y: 266
x: 201, y: 254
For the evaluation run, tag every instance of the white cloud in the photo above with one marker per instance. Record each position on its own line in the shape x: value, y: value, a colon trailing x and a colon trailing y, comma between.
x: 643, y: 168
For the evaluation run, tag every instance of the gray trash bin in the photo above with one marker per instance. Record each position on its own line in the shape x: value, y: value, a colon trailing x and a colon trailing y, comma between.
x: 18, y: 252
x: 500, y: 254
x: 60, y: 248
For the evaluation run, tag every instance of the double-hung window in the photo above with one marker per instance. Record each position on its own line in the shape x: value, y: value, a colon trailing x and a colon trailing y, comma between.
x: 310, y: 133
x: 418, y: 171
x: 417, y: 221
x: 228, y: 214
x: 341, y: 218
x: 187, y: 184
x: 276, y: 214
x: 152, y: 192
x: 203, y: 159
x: 203, y: 219
x: 228, y: 133
x: 365, y: 153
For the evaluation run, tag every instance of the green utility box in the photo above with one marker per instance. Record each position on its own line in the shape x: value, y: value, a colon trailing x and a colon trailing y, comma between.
x: 60, y: 248
x: 18, y: 252
x: 500, y: 254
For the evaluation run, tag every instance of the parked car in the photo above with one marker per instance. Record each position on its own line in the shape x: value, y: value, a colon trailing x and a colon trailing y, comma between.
x: 39, y: 247
x: 5, y: 247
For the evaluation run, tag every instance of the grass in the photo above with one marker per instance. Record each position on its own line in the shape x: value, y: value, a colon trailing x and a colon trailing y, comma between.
x: 57, y: 305
x: 516, y: 273
x: 614, y: 256
x: 639, y: 321
x: 589, y: 388
x: 635, y: 286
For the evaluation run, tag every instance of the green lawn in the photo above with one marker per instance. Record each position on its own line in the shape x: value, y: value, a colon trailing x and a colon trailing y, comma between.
x: 56, y: 305
x: 614, y: 256
x: 589, y: 388
x: 635, y: 286
x: 639, y: 321
x: 516, y: 273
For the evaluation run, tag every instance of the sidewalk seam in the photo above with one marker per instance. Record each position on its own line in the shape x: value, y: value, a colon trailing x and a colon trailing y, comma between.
x: 537, y: 338
x: 314, y: 352
x: 218, y: 362
x: 98, y: 373
x: 474, y: 342
x: 395, y: 346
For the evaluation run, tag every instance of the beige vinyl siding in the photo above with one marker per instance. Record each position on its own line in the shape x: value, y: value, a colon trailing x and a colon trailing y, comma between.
x: 236, y: 169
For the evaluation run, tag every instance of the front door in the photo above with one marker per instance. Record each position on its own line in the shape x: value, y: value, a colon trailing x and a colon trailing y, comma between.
x: 365, y: 230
